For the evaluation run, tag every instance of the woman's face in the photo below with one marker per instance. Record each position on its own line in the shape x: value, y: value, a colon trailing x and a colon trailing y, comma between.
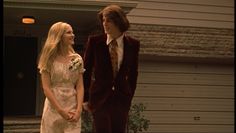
x: 68, y: 36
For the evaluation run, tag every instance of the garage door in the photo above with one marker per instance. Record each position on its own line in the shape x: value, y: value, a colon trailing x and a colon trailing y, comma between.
x: 186, y: 97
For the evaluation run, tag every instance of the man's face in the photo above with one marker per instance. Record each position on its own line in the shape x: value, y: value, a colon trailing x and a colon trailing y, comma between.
x: 108, y: 25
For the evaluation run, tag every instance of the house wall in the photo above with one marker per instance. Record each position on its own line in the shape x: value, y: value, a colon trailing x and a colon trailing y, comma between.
x: 186, y: 70
x: 186, y: 97
x: 196, y: 13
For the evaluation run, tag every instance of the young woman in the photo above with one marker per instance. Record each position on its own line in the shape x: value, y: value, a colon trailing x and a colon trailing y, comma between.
x: 61, y: 70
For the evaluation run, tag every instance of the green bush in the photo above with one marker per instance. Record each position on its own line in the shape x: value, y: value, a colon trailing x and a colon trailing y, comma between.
x: 86, y: 122
x: 136, y: 121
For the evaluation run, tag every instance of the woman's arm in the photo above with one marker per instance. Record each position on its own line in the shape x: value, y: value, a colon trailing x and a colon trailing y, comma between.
x: 45, y: 77
x: 80, y: 97
x: 80, y: 92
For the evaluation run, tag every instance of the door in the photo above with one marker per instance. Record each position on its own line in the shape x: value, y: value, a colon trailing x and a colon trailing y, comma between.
x: 20, y: 67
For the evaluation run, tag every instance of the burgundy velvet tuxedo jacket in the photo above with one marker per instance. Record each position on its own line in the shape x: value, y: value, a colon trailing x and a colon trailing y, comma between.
x: 98, y: 77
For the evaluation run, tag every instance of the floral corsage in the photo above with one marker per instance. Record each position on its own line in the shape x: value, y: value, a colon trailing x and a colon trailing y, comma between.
x: 75, y: 64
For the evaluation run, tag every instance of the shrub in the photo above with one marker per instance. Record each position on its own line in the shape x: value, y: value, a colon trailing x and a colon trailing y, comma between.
x: 136, y: 121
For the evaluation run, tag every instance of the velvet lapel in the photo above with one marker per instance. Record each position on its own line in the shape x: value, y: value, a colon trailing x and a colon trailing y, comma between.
x: 106, y: 49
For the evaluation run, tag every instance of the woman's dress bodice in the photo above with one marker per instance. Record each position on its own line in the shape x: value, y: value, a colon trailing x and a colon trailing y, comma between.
x: 64, y: 76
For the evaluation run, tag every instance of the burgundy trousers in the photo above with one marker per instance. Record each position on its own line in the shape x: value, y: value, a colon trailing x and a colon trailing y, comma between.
x: 112, y: 118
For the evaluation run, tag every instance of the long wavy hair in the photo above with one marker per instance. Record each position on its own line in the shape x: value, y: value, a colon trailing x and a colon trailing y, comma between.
x: 117, y: 15
x: 53, y: 46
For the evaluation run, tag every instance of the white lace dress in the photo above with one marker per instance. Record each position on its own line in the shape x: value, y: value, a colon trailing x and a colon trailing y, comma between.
x: 63, y: 80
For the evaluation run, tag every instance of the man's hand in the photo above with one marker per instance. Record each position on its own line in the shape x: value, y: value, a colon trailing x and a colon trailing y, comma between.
x: 86, y: 107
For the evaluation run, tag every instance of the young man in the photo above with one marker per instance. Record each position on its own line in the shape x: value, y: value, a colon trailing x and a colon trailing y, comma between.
x: 111, y: 63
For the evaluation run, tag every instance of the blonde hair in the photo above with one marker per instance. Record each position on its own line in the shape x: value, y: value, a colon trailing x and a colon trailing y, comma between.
x: 53, y: 45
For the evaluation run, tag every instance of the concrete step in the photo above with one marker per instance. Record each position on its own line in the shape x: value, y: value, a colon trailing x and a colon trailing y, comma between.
x: 23, y: 124
x: 21, y: 131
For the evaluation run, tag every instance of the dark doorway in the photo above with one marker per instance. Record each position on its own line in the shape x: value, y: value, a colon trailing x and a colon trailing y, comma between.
x: 20, y: 70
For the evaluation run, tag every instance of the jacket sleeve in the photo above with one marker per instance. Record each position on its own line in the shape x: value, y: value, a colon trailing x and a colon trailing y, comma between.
x: 88, y: 65
x: 134, y: 67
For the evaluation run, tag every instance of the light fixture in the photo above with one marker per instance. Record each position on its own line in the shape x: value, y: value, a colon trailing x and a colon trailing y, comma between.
x: 28, y: 20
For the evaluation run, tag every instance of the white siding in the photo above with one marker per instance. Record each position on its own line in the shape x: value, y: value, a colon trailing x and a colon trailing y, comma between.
x: 197, y: 13
x: 186, y: 97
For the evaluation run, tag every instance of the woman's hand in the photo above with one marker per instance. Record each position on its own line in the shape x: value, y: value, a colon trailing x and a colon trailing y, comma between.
x: 75, y: 116
x: 65, y: 114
